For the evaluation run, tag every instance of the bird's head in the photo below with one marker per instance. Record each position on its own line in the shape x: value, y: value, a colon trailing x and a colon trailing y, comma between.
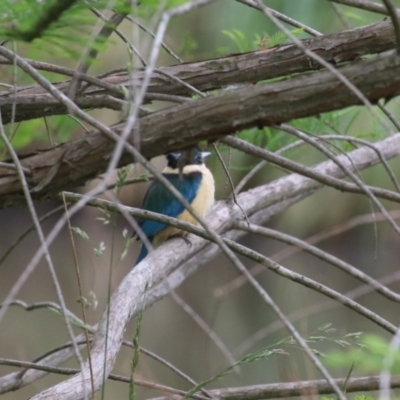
x: 180, y: 159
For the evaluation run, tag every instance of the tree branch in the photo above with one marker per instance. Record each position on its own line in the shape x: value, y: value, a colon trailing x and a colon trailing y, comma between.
x: 365, y: 5
x: 34, y: 102
x: 72, y: 164
x: 133, y: 291
x: 293, y: 389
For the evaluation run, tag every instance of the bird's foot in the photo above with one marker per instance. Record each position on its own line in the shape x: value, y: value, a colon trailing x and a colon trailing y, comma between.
x: 186, y: 240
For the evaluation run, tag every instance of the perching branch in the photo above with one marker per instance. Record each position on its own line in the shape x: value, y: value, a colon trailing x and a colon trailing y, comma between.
x: 128, y: 298
x: 212, y: 117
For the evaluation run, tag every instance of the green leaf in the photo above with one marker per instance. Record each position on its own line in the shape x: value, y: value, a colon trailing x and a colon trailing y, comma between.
x: 98, y: 251
x: 239, y: 39
x: 368, y: 357
x: 127, y: 244
x: 80, y: 232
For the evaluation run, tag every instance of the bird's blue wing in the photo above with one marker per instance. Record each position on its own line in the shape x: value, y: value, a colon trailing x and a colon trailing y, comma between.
x: 159, y: 199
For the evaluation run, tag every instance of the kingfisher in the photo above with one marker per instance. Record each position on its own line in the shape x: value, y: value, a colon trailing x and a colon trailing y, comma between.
x: 187, y: 172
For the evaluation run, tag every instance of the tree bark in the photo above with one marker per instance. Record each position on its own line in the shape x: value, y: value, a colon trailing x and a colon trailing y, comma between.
x: 286, y: 59
x: 73, y: 163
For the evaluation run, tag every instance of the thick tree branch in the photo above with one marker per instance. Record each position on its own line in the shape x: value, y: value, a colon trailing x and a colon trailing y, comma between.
x: 291, y: 188
x: 134, y: 291
x: 34, y: 102
x: 73, y: 163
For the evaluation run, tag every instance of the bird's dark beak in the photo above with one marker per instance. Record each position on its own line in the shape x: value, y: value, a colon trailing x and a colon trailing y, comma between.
x: 205, y: 154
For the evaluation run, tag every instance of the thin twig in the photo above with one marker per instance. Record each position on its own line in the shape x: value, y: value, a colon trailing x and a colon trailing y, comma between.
x: 265, y: 261
x: 42, y: 239
x: 387, y: 365
x: 180, y: 82
x: 290, y: 327
x: 205, y: 327
x: 340, y: 14
x: 301, y: 389
x: 311, y: 284
x: 13, y: 167
x: 365, y: 5
x: 349, y: 173
x: 353, y: 140
x: 90, y: 52
x: 38, y: 305
x: 283, y: 18
x: 228, y: 175
x: 167, y: 97
x: 170, y: 366
x: 306, y: 171
x: 238, y: 282
x: 148, y: 31
x: 116, y: 18
x: 114, y: 377
x: 390, y: 116
x: 263, y: 163
x: 357, y: 92
x: 42, y: 66
x: 78, y: 276
x: 394, y: 14
x: 322, y: 255
x: 302, y: 314
x: 44, y: 358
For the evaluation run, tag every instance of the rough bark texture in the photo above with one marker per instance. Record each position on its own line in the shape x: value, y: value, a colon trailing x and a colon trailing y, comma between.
x: 73, y: 163
x: 34, y: 102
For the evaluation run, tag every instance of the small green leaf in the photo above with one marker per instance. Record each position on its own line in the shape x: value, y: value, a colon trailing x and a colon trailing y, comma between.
x: 98, y: 251
x: 80, y: 232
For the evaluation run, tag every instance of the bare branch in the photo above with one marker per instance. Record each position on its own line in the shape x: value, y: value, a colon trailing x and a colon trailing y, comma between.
x: 33, y: 101
x: 354, y: 177
x: 394, y: 14
x: 307, y: 171
x: 127, y: 300
x: 293, y: 389
x: 183, y: 125
x: 148, y: 31
x: 41, y: 236
x: 312, y: 240
x: 283, y: 17
x: 109, y: 27
x: 323, y: 255
x: 73, y: 371
x: 365, y: 5
x: 205, y: 327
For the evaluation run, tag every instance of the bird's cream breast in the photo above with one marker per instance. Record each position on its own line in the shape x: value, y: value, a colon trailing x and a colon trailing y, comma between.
x: 202, y: 203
